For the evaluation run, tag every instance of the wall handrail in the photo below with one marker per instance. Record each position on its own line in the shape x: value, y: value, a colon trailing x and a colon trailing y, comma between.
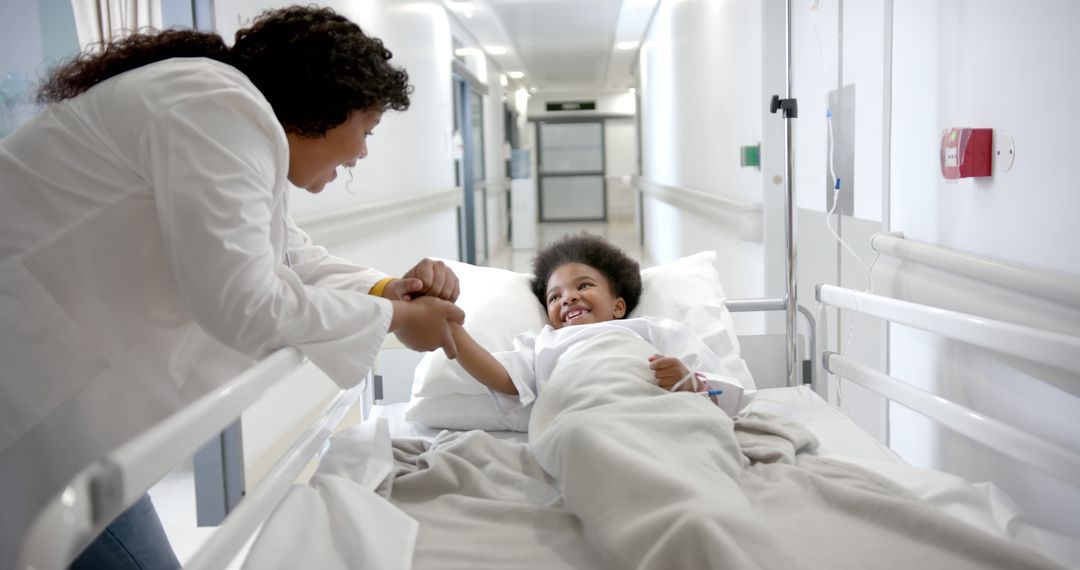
x: 1037, y: 345
x: 101, y: 491
x: 1054, y: 286
x: 747, y: 215
x: 1048, y: 456
x: 667, y: 192
x: 340, y: 226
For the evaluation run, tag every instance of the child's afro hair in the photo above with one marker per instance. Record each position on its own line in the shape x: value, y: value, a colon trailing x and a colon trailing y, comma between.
x: 621, y: 271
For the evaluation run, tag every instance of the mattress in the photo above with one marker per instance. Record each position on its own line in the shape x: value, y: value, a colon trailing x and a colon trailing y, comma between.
x: 837, y: 434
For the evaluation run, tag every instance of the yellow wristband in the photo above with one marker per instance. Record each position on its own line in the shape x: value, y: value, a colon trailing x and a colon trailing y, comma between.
x: 378, y: 288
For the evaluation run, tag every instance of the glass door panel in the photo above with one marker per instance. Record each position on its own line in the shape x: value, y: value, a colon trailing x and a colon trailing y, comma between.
x: 476, y: 148
x: 573, y: 198
x: 571, y: 164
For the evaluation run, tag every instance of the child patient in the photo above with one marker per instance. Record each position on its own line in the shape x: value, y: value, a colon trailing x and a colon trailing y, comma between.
x: 588, y: 287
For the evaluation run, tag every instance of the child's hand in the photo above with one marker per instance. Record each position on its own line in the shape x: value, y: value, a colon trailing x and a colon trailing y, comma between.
x: 668, y: 370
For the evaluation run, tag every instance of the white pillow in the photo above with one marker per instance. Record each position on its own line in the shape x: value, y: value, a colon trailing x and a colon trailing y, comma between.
x: 499, y: 305
x: 465, y: 411
x: 688, y: 290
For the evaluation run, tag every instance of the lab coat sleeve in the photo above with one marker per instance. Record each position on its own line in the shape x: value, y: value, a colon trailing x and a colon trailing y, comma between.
x: 520, y: 365
x: 316, y: 266
x: 213, y: 162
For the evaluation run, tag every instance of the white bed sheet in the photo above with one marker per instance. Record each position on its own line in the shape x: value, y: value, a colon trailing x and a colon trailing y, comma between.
x: 980, y: 504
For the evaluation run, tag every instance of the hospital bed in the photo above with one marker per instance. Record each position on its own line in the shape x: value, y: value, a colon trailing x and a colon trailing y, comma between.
x: 105, y: 488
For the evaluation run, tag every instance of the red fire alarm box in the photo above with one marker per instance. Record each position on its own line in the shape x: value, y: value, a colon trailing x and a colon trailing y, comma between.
x: 966, y: 152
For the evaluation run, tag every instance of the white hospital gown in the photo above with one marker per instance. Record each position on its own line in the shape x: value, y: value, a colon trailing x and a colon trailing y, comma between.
x: 535, y: 355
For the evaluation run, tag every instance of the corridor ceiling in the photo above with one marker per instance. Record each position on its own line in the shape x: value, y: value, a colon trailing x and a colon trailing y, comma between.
x: 561, y: 45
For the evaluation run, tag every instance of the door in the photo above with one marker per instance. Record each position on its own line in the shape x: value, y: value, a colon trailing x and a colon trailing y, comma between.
x: 469, y: 171
x: 571, y: 171
x: 475, y: 154
x: 510, y: 141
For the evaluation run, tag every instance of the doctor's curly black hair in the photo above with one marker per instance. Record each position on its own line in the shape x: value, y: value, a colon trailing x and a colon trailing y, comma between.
x: 621, y: 271
x: 313, y: 65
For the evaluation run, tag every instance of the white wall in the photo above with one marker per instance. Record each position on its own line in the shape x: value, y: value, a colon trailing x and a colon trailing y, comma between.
x: 700, y: 82
x: 620, y: 164
x: 993, y: 64
x: 861, y: 66
x: 998, y: 64
x: 954, y: 63
x: 495, y: 157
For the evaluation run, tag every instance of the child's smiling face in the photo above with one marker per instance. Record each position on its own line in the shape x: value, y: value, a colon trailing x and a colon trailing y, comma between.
x: 578, y: 294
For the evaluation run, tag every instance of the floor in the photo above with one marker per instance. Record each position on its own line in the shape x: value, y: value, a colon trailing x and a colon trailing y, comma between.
x: 174, y: 496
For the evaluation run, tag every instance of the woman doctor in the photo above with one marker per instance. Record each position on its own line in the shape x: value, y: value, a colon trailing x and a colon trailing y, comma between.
x: 147, y: 255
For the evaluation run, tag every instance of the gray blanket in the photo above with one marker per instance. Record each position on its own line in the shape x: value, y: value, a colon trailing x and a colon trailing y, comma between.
x: 621, y: 474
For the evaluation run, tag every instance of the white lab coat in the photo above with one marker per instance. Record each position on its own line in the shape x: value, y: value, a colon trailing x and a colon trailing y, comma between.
x: 535, y: 355
x: 145, y: 253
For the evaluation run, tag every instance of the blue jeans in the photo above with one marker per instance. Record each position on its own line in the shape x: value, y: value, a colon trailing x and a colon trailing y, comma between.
x: 135, y: 540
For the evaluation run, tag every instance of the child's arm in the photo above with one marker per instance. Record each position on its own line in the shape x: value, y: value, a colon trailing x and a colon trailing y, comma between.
x: 668, y: 371
x: 479, y: 363
x: 724, y: 392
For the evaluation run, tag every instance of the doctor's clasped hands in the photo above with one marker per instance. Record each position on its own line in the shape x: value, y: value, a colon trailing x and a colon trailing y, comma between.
x: 424, y: 307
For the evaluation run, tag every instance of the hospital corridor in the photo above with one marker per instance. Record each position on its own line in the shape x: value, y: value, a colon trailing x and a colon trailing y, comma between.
x: 551, y: 284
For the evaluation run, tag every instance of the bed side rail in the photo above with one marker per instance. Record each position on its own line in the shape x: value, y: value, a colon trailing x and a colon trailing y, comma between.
x: 101, y: 491
x: 1018, y: 444
x: 1055, y: 349
x: 242, y: 523
x: 807, y: 374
